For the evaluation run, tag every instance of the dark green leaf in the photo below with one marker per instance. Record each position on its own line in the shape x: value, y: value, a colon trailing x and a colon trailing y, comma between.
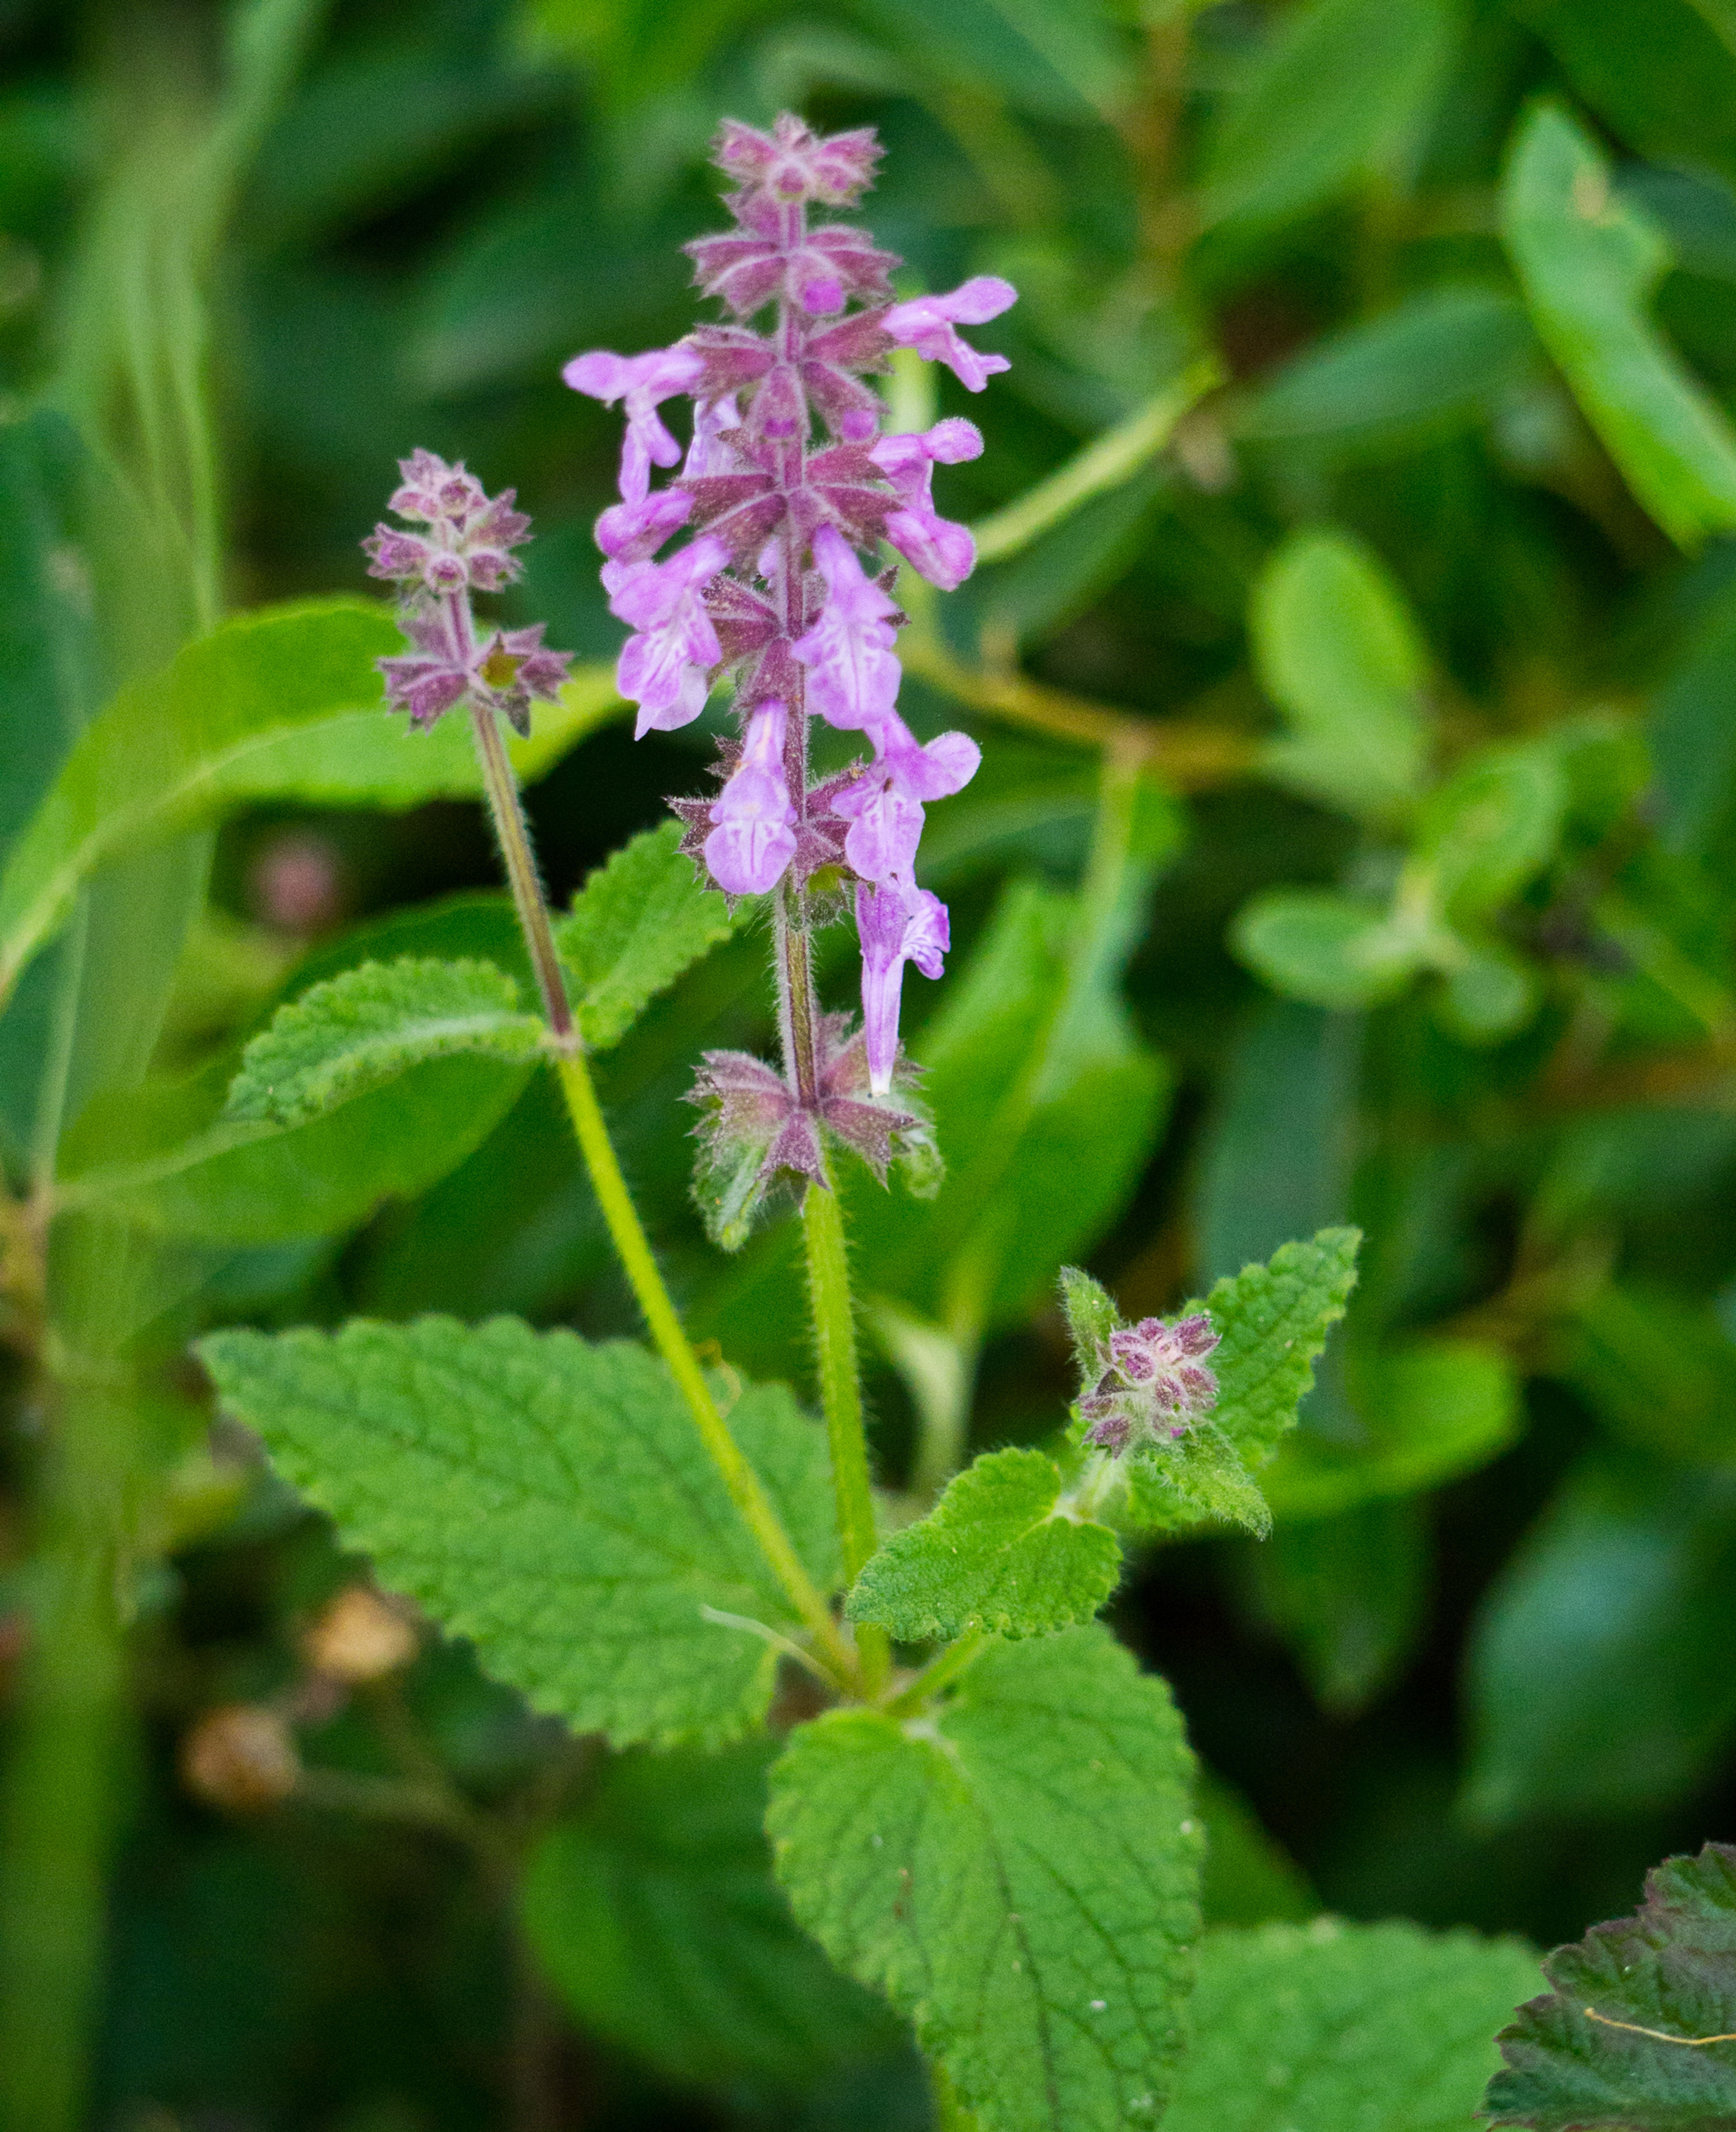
x: 1437, y: 361
x: 1000, y: 1551
x: 1620, y: 2045
x: 1017, y: 1873
x: 635, y: 926
x: 1350, y: 1595
x: 1600, y: 1676
x: 654, y: 1911
x: 548, y: 1499
x: 1335, y: 95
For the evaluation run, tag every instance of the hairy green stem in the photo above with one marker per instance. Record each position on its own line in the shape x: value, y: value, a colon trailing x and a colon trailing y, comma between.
x: 840, y: 1401
x: 513, y: 832
x: 939, y: 1672
x: 634, y: 1250
x: 632, y: 1247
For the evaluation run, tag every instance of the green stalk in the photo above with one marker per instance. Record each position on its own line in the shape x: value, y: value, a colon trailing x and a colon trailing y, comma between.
x: 632, y: 1247
x: 841, y: 1400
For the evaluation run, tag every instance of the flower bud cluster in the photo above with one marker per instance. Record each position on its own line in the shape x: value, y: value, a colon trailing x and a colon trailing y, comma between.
x: 467, y: 546
x: 787, y: 485
x: 1153, y: 1383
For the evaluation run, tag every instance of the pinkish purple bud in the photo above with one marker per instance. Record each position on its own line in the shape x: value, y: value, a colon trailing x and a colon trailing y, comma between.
x: 753, y: 838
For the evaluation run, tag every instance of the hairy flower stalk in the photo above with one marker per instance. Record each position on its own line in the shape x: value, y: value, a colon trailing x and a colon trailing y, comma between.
x: 465, y: 545
x: 786, y: 486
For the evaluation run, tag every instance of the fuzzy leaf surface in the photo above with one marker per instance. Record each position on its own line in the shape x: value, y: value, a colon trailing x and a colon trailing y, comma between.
x: 356, y: 1031
x: 1334, y: 2027
x: 994, y: 1554
x: 635, y: 926
x: 1672, y: 1968
x: 549, y: 1499
x: 1272, y: 1323
x: 1017, y: 1874
x: 653, y: 1910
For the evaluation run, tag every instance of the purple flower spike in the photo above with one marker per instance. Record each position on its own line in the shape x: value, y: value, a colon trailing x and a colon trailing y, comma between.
x: 853, y: 672
x: 926, y: 323
x: 754, y: 837
x: 663, y: 669
x: 644, y: 382
x: 788, y: 490
x: 897, y: 924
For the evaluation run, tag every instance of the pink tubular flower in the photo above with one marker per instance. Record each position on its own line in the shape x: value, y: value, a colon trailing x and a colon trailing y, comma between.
x: 629, y: 532
x: 663, y: 667
x: 884, y: 808
x: 926, y: 323
x: 643, y: 382
x: 942, y: 550
x: 753, y: 837
x: 898, y: 923
x: 853, y: 674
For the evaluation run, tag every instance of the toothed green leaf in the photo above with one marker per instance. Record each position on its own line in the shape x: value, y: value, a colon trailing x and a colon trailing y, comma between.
x: 996, y: 1552
x: 1018, y: 1874
x: 1334, y: 2027
x: 635, y: 926
x: 356, y: 1031
x: 550, y: 1501
x: 1573, y: 2067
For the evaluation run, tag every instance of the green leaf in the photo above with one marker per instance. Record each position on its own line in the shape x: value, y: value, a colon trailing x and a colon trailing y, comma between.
x: 1338, y: 651
x: 635, y: 926
x: 1327, y: 2027
x: 655, y: 1912
x: 282, y: 702
x: 550, y: 1501
x: 1336, y: 94
x: 1437, y: 361
x: 1574, y: 2063
x: 1600, y: 1671
x: 1248, y: 1879
x: 1016, y: 1873
x: 1489, y: 996
x: 354, y: 1033
x: 1272, y: 1323
x: 1589, y: 263
x: 1492, y: 827
x: 1314, y: 945
x: 1349, y: 1595
x: 1000, y: 1551
x: 1279, y: 1151
x: 1091, y: 1315
x: 1045, y: 1104
x: 1430, y: 1411
x: 165, y: 1159
x: 1659, y: 1373
x: 1671, y: 93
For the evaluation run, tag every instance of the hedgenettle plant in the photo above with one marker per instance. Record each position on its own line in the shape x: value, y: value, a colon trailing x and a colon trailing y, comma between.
x: 987, y: 1817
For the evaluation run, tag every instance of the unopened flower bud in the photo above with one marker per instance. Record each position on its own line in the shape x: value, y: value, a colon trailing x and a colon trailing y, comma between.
x: 360, y: 1636
x: 241, y: 1757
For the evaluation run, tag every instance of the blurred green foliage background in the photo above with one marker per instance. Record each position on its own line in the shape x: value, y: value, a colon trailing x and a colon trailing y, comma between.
x: 1425, y: 620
